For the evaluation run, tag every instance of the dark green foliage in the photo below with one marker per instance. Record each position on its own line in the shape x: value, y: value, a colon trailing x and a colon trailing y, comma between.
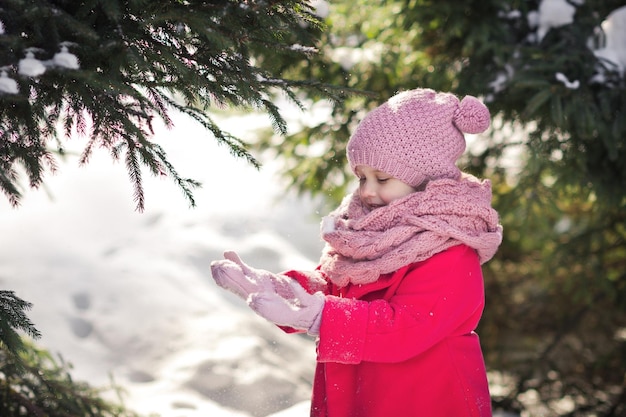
x: 35, y: 385
x: 32, y: 383
x: 139, y: 60
x: 13, y: 319
x: 556, y: 314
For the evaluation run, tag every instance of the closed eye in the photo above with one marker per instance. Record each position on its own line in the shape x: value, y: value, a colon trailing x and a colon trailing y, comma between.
x: 382, y: 180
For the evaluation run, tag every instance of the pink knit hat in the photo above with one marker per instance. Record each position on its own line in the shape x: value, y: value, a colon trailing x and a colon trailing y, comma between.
x: 417, y: 135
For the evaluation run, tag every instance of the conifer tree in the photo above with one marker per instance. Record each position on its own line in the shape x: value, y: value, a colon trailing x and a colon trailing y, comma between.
x: 105, y: 70
x: 13, y: 319
x: 32, y: 382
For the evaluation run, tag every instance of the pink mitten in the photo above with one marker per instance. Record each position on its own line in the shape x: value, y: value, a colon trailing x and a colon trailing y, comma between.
x: 234, y: 275
x: 303, y: 311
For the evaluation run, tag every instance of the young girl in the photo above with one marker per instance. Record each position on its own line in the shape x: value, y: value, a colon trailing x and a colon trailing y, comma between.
x: 399, y: 290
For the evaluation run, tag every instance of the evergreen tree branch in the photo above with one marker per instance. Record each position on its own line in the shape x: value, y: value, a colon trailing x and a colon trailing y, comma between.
x: 14, y: 319
x: 132, y: 55
x: 35, y: 384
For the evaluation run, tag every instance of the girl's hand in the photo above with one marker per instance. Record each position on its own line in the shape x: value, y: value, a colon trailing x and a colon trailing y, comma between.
x: 302, y: 312
x: 237, y: 277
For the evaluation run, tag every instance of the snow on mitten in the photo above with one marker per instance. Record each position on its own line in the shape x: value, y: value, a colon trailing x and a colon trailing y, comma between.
x: 303, y: 311
x: 237, y: 277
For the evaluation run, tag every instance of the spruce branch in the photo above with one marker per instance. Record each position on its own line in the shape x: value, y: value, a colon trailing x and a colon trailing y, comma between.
x: 36, y: 384
x: 134, y: 172
x: 13, y: 319
x: 134, y: 56
x: 235, y: 145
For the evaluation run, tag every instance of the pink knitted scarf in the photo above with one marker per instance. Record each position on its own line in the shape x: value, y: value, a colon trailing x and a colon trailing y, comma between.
x: 361, y: 244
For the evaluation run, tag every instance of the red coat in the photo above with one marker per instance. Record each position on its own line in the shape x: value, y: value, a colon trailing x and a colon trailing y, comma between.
x: 404, y: 345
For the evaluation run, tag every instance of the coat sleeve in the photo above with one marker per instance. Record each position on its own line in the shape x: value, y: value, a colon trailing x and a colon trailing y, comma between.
x: 312, y: 282
x: 435, y: 299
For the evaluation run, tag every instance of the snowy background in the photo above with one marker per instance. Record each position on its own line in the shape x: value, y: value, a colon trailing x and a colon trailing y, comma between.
x: 128, y: 296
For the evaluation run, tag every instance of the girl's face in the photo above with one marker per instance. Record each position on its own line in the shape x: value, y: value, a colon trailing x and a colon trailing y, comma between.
x: 377, y: 188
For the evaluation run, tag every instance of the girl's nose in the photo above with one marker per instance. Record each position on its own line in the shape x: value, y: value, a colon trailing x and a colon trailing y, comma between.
x: 368, y: 190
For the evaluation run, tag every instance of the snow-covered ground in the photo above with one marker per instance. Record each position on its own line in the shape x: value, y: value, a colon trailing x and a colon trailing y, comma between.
x: 129, y: 295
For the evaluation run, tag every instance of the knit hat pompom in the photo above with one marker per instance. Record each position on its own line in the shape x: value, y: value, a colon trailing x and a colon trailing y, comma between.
x: 417, y: 135
x: 472, y: 116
